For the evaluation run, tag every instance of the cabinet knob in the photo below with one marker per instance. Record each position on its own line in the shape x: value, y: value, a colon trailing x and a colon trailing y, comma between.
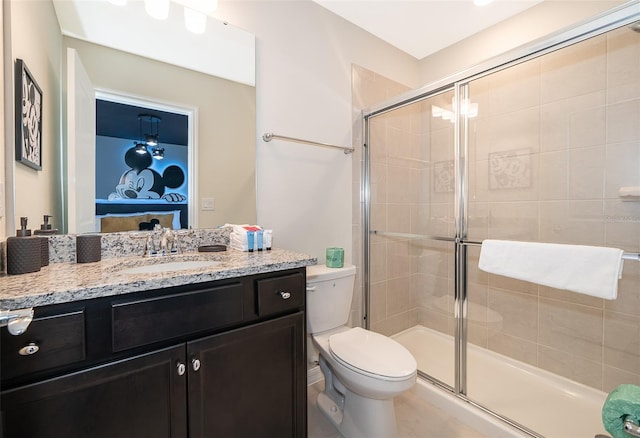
x: 29, y: 349
x: 181, y: 369
x: 285, y: 295
x: 195, y: 363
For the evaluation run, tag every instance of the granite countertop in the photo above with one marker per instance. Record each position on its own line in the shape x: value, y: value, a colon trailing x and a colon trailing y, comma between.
x: 69, y: 281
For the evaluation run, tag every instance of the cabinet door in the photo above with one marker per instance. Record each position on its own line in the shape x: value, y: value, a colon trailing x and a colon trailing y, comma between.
x: 251, y: 382
x: 139, y: 397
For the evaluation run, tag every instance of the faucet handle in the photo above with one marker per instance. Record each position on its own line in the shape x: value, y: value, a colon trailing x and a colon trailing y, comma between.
x: 149, y: 245
x: 172, y: 242
x: 175, y: 244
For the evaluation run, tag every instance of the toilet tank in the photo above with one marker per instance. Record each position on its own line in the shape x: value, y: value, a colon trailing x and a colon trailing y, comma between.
x: 329, y: 295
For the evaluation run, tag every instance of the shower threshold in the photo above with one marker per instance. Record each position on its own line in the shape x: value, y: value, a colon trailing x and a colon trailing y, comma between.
x: 550, y: 405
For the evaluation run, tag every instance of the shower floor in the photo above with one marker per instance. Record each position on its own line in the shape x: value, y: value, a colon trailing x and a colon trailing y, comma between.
x: 550, y: 405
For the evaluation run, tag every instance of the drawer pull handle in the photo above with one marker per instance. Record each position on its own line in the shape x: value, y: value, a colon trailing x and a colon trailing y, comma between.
x: 181, y: 369
x: 29, y: 349
x: 285, y: 295
x: 195, y: 363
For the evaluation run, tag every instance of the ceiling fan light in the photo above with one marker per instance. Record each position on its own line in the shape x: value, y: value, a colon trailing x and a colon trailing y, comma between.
x: 158, y: 9
x: 195, y: 21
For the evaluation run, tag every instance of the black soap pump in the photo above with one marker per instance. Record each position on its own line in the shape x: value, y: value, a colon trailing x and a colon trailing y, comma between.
x: 45, y: 230
x: 46, y: 227
x: 23, y: 231
x: 24, y: 252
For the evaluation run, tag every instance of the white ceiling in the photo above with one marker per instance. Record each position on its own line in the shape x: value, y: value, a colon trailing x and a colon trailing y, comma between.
x: 423, y: 27
x: 230, y: 50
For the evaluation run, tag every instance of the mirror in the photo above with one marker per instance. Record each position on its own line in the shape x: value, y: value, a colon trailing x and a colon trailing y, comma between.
x: 224, y: 107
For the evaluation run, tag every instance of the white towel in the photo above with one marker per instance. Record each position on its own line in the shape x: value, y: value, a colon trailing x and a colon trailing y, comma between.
x: 242, y: 229
x: 240, y: 238
x: 238, y: 247
x: 591, y: 270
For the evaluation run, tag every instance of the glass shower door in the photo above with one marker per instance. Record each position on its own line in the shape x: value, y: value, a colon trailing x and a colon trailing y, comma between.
x: 412, y: 230
x: 554, y: 140
x: 542, y: 151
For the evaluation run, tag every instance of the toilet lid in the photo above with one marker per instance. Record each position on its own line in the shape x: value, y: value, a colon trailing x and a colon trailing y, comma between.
x: 372, y: 353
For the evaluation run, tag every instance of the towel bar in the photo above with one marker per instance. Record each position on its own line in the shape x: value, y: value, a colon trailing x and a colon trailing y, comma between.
x: 632, y: 428
x: 626, y: 255
x: 268, y: 136
x: 411, y: 236
x: 17, y: 320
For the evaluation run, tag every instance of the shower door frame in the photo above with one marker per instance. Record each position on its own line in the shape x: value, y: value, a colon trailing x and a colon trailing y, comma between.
x: 620, y: 16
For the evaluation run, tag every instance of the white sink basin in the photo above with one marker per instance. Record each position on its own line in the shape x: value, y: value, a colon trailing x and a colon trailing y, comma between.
x: 170, y: 267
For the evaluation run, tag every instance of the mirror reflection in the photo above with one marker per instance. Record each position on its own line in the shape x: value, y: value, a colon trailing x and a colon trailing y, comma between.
x: 221, y: 182
x: 141, y: 168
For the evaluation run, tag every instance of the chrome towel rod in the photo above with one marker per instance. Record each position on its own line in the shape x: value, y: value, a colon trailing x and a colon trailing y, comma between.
x: 631, y: 428
x: 17, y: 320
x: 412, y: 236
x: 625, y: 255
x: 631, y: 256
x: 268, y: 136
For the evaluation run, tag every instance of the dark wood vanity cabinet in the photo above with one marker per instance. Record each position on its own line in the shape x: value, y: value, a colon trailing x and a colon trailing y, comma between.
x: 251, y: 385
x: 140, y: 396
x: 233, y: 369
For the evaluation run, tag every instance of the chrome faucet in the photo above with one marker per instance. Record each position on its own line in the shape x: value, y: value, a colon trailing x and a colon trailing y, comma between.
x: 166, y: 241
x: 169, y: 242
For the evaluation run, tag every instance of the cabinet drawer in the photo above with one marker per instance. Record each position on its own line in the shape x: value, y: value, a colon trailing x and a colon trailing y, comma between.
x: 59, y: 339
x: 142, y: 322
x: 276, y: 295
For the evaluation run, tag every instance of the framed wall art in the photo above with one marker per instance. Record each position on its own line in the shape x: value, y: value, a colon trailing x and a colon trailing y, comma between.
x: 28, y: 117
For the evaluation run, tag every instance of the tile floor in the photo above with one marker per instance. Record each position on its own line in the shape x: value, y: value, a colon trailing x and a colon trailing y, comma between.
x: 416, y: 419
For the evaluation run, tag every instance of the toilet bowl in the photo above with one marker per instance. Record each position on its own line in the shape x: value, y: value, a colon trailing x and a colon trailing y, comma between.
x: 363, y: 370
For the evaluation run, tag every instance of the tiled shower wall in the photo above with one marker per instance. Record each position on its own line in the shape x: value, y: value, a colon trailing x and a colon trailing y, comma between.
x: 368, y: 89
x: 554, y: 140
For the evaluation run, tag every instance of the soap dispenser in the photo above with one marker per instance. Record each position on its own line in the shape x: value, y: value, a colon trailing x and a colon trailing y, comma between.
x: 45, y: 230
x: 46, y: 227
x: 24, y: 252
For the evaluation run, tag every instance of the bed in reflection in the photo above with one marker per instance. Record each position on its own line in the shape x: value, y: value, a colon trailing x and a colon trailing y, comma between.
x: 118, y: 216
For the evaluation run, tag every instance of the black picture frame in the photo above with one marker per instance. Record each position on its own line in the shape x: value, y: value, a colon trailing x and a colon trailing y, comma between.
x: 28, y: 117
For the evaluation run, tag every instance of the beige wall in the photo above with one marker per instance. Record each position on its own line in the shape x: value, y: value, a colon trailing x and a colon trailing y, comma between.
x: 225, y: 124
x: 36, y: 39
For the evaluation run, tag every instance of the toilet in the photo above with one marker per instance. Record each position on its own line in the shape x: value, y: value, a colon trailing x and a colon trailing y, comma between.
x: 363, y: 370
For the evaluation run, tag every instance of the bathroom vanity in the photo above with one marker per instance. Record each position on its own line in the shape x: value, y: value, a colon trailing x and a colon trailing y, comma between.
x: 218, y: 351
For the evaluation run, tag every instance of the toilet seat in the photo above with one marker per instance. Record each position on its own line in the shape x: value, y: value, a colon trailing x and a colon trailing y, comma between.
x: 372, y: 354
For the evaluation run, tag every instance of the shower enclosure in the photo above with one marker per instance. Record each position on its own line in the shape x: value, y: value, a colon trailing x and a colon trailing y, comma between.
x: 534, y: 146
